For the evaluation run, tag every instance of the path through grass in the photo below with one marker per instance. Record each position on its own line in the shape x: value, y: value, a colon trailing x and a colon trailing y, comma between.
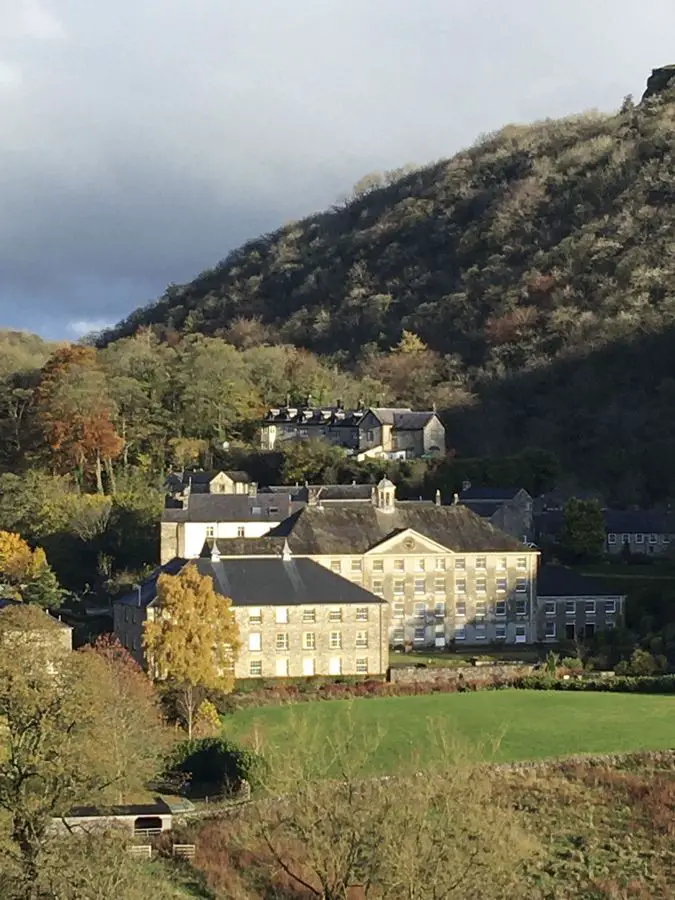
x: 526, y: 724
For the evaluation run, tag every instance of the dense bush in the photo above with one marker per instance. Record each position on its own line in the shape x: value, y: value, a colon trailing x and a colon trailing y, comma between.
x: 214, y: 763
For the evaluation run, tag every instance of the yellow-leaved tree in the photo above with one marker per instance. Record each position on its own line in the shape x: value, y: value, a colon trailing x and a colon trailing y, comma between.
x: 25, y: 574
x: 193, y: 638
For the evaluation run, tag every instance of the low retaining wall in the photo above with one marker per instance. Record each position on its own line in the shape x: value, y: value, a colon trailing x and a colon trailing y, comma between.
x: 418, y: 675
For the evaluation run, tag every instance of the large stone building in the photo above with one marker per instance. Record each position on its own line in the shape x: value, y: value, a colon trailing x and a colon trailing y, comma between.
x: 448, y: 576
x: 374, y: 432
x: 295, y: 617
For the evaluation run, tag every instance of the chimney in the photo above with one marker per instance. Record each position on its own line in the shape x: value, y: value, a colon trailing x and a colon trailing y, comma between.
x: 309, y: 400
x: 438, y: 497
x: 433, y: 407
x: 286, y: 554
x: 253, y: 489
x: 215, y: 552
x: 455, y: 498
x: 338, y: 404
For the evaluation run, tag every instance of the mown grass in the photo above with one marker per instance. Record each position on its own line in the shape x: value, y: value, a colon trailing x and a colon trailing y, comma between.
x: 507, y: 725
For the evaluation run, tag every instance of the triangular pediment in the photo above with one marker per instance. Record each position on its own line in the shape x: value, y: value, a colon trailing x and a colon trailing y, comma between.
x: 406, y: 542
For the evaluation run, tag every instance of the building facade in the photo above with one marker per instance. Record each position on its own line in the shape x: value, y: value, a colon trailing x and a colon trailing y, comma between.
x: 295, y: 617
x: 187, y: 523
x: 573, y: 607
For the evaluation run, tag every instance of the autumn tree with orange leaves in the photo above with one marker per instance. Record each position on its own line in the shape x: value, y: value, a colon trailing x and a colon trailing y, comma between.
x: 75, y: 412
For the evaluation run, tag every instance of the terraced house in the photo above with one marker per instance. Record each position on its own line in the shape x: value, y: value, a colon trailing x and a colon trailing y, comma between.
x: 448, y: 575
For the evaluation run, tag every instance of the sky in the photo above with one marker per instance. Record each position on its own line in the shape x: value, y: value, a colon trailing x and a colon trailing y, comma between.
x: 144, y: 139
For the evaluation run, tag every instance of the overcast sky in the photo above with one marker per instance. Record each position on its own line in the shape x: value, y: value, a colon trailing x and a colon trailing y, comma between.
x: 143, y: 139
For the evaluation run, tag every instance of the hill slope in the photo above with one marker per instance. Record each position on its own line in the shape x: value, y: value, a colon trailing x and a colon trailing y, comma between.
x: 539, y: 260
x: 540, y: 240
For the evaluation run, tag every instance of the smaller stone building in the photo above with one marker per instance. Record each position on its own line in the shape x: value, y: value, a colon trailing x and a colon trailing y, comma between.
x: 296, y: 618
x: 509, y: 509
x: 574, y: 607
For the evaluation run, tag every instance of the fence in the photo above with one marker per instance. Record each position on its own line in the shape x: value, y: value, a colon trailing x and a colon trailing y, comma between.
x: 142, y: 850
x: 184, y: 851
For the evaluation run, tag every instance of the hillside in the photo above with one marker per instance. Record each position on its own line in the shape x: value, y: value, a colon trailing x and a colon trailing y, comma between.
x: 539, y: 263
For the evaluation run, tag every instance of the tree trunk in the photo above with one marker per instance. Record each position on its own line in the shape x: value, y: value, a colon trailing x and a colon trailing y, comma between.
x: 189, y: 709
x: 99, y: 474
x: 23, y: 834
x: 111, y: 475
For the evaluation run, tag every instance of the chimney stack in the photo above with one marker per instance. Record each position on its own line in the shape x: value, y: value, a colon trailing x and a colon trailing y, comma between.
x: 215, y: 552
x: 455, y: 499
x: 438, y: 497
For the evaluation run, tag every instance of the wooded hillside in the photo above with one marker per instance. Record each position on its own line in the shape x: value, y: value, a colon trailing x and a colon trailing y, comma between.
x: 538, y: 265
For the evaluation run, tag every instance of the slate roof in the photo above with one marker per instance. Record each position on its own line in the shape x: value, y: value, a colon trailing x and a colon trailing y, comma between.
x: 488, y: 494
x: 401, y: 418
x: 271, y: 581
x: 356, y: 529
x: 560, y: 581
x: 482, y: 507
x: 617, y: 521
x: 230, y: 508
x: 327, y: 493
x: 278, y: 582
x: 635, y: 521
x: 158, y: 808
x: 262, y: 546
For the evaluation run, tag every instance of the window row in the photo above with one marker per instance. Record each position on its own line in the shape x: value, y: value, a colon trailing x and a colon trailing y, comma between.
x: 481, y: 609
x: 438, y: 563
x: 588, y: 606
x: 479, y: 634
x: 283, y: 667
x: 636, y: 538
x: 440, y: 587
x: 309, y: 641
x: 211, y: 531
x: 308, y: 615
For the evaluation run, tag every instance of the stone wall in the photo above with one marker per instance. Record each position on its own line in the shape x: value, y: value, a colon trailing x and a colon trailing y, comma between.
x: 418, y: 675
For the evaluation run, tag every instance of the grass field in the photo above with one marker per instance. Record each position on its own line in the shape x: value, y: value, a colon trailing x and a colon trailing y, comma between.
x: 523, y: 724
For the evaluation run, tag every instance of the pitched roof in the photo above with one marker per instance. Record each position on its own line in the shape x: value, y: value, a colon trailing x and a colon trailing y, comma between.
x: 485, y: 508
x: 327, y: 493
x: 262, y: 546
x: 560, y: 581
x: 356, y: 529
x: 617, y: 521
x: 646, y: 521
x: 266, y: 582
x: 158, y: 808
x: 488, y: 494
x: 231, y: 508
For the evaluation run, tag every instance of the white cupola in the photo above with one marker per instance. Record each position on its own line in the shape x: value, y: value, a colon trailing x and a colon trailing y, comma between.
x: 385, y: 495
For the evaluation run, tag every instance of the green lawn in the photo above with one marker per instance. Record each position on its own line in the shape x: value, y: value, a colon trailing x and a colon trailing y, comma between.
x: 526, y: 724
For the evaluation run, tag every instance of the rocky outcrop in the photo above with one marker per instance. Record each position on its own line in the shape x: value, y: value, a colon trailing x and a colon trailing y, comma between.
x: 659, y: 81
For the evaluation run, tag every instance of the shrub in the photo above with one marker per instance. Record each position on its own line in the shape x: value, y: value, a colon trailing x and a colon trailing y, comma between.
x: 214, y: 762
x: 572, y: 664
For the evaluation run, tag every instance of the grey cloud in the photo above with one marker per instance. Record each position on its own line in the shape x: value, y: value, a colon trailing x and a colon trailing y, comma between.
x: 144, y: 139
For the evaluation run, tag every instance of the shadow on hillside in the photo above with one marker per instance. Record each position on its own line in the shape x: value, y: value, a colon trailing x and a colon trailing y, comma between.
x: 608, y: 415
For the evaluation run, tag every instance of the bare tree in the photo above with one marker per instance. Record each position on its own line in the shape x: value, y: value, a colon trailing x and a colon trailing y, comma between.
x: 439, y: 832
